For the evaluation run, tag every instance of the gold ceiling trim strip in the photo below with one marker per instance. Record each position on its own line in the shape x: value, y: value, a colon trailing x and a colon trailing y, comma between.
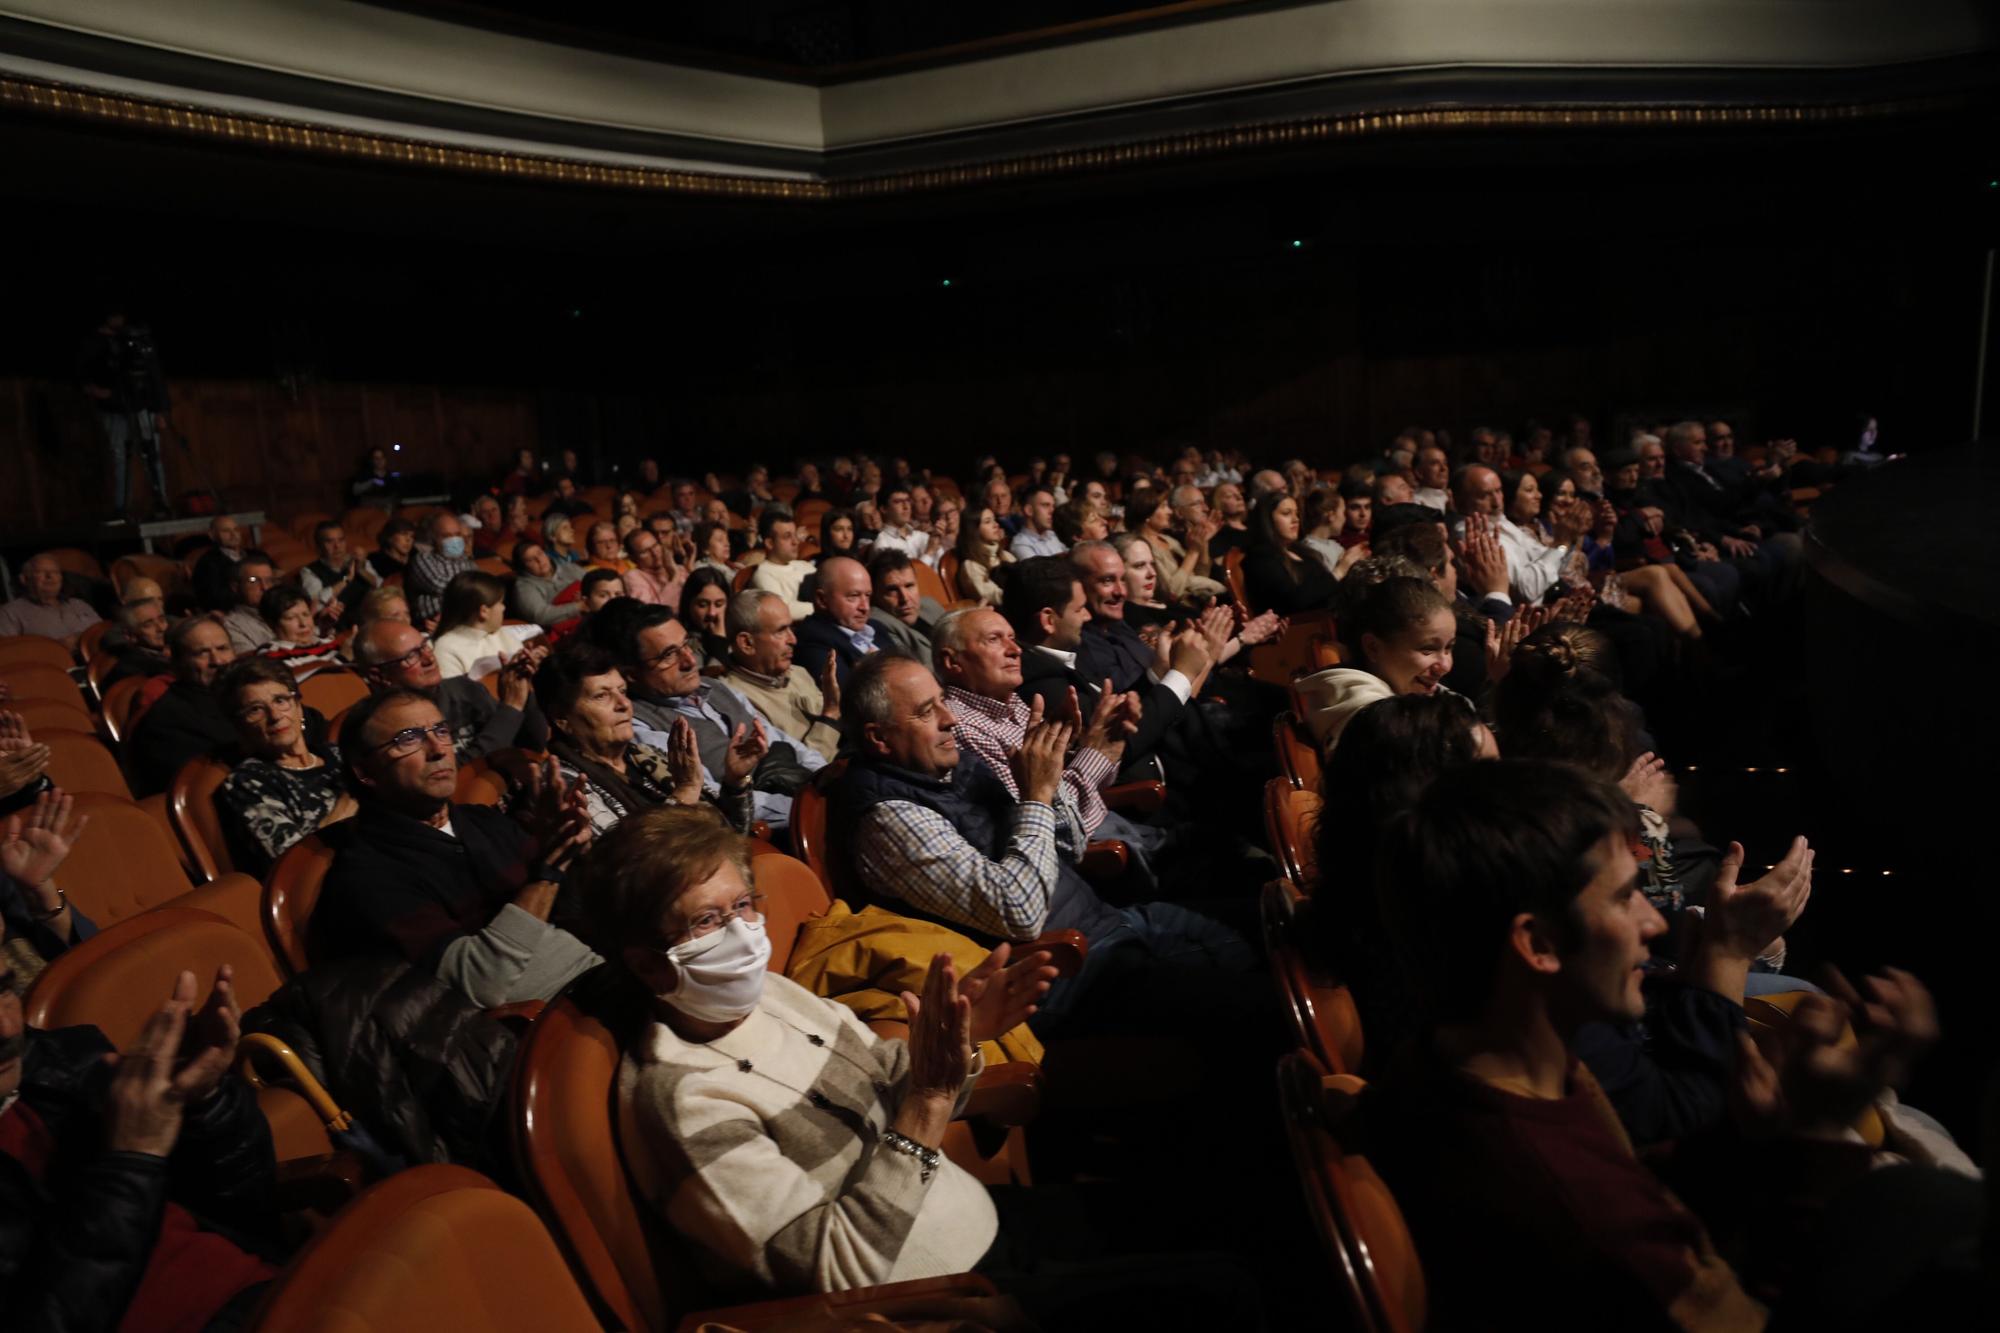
x: 301, y: 136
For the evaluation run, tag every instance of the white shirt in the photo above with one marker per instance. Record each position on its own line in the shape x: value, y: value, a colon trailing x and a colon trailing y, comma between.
x: 1028, y: 543
x: 910, y: 541
x: 1433, y: 496
x: 466, y: 651
x: 1532, y: 568
x: 784, y: 580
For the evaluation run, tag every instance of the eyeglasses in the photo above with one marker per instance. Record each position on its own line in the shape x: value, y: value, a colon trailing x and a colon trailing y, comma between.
x: 749, y: 908
x: 685, y: 648
x: 414, y: 656
x: 411, y: 739
x: 275, y: 706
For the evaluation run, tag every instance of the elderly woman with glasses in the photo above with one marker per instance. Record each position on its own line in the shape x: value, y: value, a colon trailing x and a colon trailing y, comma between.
x: 584, y: 696
x: 284, y: 787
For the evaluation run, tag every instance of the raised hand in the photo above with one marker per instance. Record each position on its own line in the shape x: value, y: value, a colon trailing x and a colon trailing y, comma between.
x: 557, y: 814
x: 940, y: 1040
x: 34, y: 843
x: 172, y: 1065
x: 1262, y: 629
x: 1003, y: 991
x: 1649, y: 783
x: 1502, y: 640
x: 13, y: 728
x: 684, y: 763
x: 1109, y: 724
x: 829, y: 687
x: 1482, y: 564
x: 1736, y: 546
x: 1743, y: 921
x: 747, y: 747
x: 1812, y: 1082
x: 19, y: 767
x: 1189, y: 655
x: 1038, y: 764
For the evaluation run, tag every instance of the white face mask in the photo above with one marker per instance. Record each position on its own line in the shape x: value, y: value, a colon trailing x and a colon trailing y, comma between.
x: 721, y: 975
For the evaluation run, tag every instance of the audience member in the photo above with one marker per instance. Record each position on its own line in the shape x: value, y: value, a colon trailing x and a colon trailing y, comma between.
x: 394, y: 545
x: 901, y: 616
x: 584, y: 696
x: 1182, y: 570
x: 538, y: 584
x: 599, y: 586
x: 836, y: 535
x: 1358, y: 495
x: 781, y: 571
x: 43, y: 610
x: 472, y: 639
x: 1433, y: 472
x: 138, y: 642
x: 1232, y: 520
x: 936, y: 832
x: 1037, y: 535
x: 1280, y: 572
x: 761, y: 669
x: 605, y: 549
x: 395, y: 655
x: 1143, y: 605
x: 981, y: 549
x: 559, y: 536
x: 471, y: 894
x: 285, y: 786
x: 187, y: 720
x: 128, y: 1173
x: 37, y: 920
x: 705, y: 611
x: 1399, y: 634
x: 899, y: 528
x: 652, y: 575
x: 214, y: 570
x: 337, y: 580
x: 839, y: 621
x: 712, y: 547
x: 252, y: 577
x: 296, y: 641
x: 432, y: 568
x: 1081, y: 520
x: 1322, y: 517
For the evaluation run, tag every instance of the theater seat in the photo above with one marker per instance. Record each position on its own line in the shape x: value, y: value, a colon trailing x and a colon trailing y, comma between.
x: 80, y: 763
x: 1291, y: 819
x: 429, y: 1249
x: 55, y: 715
x: 21, y: 650
x: 33, y: 678
x: 627, y: 1260
x: 1324, y: 1019
x: 122, y: 863
x: 1371, y: 1259
x: 197, y: 822
x: 116, y: 708
x: 119, y: 978
x: 290, y: 891
x: 1298, y: 757
x: 332, y: 690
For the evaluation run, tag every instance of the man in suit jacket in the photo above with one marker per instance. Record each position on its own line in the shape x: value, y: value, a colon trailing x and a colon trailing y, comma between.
x: 1048, y: 610
x: 187, y: 721
x: 839, y: 623
x: 902, y: 616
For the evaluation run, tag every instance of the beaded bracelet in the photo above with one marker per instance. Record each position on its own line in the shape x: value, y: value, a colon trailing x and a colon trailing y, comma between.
x: 928, y: 1158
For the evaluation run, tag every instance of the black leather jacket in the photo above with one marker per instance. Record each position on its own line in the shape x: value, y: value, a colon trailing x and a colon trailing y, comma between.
x: 73, y: 1247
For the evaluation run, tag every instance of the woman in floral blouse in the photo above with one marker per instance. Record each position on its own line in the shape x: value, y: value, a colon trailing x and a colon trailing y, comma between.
x: 283, y: 788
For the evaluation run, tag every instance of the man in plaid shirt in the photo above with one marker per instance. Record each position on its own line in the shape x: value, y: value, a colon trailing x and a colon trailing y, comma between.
x: 979, y: 663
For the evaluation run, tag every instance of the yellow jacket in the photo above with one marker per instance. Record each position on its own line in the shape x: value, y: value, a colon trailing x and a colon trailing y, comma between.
x: 867, y: 959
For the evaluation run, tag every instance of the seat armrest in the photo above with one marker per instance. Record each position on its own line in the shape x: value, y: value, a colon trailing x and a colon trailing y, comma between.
x: 322, y: 1184
x: 1136, y: 798
x: 1105, y: 860
x: 520, y: 1016
x: 1008, y: 1094
x: 896, y: 1301
x: 1066, y: 949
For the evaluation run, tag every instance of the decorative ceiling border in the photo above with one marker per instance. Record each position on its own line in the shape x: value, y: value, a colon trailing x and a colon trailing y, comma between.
x: 61, y: 99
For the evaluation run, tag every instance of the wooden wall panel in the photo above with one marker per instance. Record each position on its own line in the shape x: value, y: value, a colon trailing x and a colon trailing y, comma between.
x: 260, y: 445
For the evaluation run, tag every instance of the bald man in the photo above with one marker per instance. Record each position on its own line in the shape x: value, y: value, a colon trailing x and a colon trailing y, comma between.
x: 216, y: 569
x: 839, y: 623
x: 43, y: 610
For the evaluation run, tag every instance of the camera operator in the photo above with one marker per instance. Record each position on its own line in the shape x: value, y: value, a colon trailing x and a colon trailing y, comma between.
x: 120, y: 371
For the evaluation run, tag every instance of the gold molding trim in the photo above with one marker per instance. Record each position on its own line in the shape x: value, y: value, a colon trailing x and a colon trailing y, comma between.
x: 62, y: 99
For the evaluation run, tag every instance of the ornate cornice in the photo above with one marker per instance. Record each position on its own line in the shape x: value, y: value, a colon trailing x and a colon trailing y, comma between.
x: 268, y: 132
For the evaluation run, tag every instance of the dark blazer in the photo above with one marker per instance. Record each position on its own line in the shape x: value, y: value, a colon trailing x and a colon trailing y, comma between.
x: 817, y: 636
x: 399, y: 886
x: 1270, y: 588
x: 1045, y: 678
x: 480, y: 725
x: 211, y: 578
x: 1113, y: 648
x: 183, y: 723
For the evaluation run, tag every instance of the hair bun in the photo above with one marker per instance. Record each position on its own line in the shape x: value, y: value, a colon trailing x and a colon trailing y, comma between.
x: 1554, y: 651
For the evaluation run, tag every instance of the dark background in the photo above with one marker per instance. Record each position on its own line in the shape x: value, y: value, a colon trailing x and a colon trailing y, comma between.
x: 1791, y: 281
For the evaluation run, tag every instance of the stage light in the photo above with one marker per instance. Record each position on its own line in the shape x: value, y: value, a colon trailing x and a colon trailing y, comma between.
x: 1298, y: 245
x: 397, y: 447
x: 945, y: 283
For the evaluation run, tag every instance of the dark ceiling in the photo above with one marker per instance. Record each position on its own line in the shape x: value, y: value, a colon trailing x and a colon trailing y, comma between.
x: 800, y: 38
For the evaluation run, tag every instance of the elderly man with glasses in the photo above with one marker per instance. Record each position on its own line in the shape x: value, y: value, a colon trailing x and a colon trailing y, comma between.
x: 468, y: 893
x: 394, y: 655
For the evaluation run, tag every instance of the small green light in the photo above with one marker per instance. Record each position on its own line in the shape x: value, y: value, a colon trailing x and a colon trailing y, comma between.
x: 945, y: 283
x: 1298, y: 245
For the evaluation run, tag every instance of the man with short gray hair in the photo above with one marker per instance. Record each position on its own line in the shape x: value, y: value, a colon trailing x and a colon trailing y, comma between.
x: 761, y: 648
